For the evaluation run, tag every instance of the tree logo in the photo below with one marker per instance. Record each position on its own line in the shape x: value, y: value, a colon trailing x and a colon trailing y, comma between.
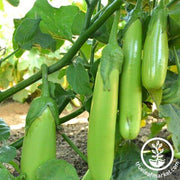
x: 156, y: 147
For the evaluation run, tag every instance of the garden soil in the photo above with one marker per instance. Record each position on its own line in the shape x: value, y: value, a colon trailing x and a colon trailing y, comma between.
x: 14, y: 115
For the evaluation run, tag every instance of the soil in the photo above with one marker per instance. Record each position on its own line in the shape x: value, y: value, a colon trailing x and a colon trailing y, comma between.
x: 14, y: 115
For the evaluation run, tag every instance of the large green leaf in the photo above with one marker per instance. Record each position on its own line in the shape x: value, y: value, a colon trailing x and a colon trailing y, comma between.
x: 78, y: 78
x: 56, y: 170
x: 7, y: 153
x: 174, y: 23
x: 4, y: 130
x: 125, y: 164
x: 171, y: 77
x: 171, y: 92
x: 26, y: 30
x: 78, y: 22
x: 55, y: 21
x: 28, y: 34
x: 172, y: 114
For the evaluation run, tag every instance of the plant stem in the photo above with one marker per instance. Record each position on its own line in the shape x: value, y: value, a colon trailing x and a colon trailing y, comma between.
x: 64, y: 104
x: 68, y: 56
x: 94, y: 44
x: 45, y: 85
x: 66, y: 138
x: 90, y: 8
x: 72, y: 115
x: 17, y: 144
x: 8, y: 56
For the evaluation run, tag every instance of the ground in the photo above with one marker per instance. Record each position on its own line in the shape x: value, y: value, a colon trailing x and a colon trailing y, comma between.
x: 14, y: 115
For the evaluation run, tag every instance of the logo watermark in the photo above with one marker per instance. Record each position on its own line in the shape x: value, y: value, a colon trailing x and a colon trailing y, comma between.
x: 157, y: 161
x: 160, y: 175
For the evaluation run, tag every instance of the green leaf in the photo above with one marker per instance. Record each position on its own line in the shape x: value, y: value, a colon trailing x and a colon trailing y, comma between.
x: 172, y: 114
x: 156, y: 128
x: 125, y: 164
x: 21, y: 96
x: 14, y: 2
x: 55, y: 21
x: 7, y: 153
x: 156, y: 96
x: 171, y: 92
x: 56, y: 169
x: 5, y: 174
x: 26, y: 30
x: 78, y: 23
x: 19, y: 53
x: 78, y: 78
x: 43, y: 40
x: 28, y: 34
x: 171, y: 77
x: 4, y: 130
x: 174, y: 23
x: 86, y: 49
x: 81, y: 60
x: 61, y: 96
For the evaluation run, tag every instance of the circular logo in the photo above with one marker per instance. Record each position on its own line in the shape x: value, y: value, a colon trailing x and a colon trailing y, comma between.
x: 157, y: 161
